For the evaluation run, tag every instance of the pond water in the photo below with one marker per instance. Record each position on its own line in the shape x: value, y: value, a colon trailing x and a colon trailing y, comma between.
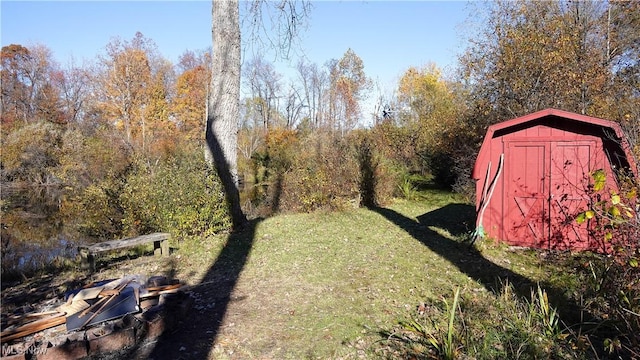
x: 65, y: 249
x: 31, y: 256
x: 32, y: 231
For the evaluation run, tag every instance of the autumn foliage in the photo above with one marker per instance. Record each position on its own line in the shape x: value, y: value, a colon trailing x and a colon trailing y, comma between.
x: 115, y: 148
x: 302, y: 144
x: 104, y: 152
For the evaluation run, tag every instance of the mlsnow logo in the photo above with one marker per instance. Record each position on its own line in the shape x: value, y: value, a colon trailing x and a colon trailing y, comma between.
x: 21, y: 350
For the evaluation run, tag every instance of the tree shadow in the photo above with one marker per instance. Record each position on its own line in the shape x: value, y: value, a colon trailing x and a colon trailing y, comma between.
x: 470, y: 261
x: 196, y: 334
x: 457, y: 219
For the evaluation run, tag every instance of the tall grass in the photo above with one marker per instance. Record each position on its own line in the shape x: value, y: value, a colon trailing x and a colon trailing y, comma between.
x: 509, y: 327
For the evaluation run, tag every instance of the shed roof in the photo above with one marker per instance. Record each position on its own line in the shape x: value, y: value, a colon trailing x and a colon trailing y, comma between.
x: 520, y: 122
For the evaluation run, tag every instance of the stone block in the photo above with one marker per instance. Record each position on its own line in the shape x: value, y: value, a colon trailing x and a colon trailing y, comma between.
x: 116, y: 340
x: 155, y: 328
x: 70, y: 350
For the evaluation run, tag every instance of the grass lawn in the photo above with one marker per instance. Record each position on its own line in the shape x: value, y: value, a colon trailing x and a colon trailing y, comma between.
x: 325, y: 285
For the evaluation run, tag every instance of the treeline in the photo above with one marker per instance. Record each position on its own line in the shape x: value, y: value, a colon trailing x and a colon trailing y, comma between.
x: 115, y: 147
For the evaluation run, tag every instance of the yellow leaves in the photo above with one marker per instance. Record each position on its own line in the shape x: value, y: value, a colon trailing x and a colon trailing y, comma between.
x: 348, y: 82
x: 581, y: 217
x: 614, y: 211
x: 615, y: 199
x: 430, y: 103
x: 134, y: 93
x: 611, y: 211
x: 419, y: 85
x: 535, y: 55
x: 599, y: 179
x: 632, y: 193
x: 188, y: 104
x: 427, y: 79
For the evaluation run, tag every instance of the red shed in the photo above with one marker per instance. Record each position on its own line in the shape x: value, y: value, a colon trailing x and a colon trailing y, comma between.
x: 532, y: 173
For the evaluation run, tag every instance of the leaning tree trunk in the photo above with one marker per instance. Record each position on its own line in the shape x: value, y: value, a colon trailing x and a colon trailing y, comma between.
x: 223, y: 107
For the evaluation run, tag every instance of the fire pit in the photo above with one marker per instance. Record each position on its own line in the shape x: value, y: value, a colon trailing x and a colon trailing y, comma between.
x: 97, y: 319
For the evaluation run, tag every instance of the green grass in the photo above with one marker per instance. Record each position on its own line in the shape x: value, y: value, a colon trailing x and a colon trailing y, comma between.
x: 324, y: 285
x: 330, y: 285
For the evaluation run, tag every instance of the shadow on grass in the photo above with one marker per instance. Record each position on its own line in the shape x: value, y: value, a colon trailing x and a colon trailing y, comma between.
x: 457, y: 219
x: 195, y: 336
x: 469, y: 260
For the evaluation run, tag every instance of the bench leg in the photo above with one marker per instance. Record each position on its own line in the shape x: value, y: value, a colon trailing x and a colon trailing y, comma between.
x: 161, y: 247
x: 87, y: 260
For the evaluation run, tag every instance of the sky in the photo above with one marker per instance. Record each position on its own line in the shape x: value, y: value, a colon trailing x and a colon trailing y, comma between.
x: 389, y: 36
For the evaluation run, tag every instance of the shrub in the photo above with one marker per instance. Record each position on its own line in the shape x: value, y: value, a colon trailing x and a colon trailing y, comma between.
x: 399, y: 145
x: 99, y: 210
x: 180, y: 195
x: 614, y: 292
x: 306, y: 171
x: 324, y: 175
x: 441, y: 166
x: 94, y: 167
x: 31, y: 153
x: 266, y: 170
x: 381, y: 170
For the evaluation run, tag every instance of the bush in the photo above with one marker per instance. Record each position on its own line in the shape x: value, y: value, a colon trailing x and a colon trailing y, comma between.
x: 99, y: 210
x: 441, y: 166
x: 306, y: 171
x: 266, y: 170
x: 180, y: 195
x: 31, y: 153
x: 94, y: 167
x: 324, y: 175
x: 381, y: 168
x: 613, y: 294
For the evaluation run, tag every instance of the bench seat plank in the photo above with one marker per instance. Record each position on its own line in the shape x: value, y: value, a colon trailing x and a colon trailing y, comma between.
x: 160, y: 246
x: 123, y: 243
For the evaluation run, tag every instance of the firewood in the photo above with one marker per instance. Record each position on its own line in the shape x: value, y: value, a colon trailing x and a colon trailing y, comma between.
x: 33, y: 327
x: 173, y: 290
x: 162, y: 288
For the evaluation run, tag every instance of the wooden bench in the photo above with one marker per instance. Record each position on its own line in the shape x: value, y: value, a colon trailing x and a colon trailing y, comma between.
x: 160, y: 247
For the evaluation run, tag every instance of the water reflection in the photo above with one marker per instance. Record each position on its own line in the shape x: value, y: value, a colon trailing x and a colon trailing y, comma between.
x: 39, y: 254
x: 32, y: 230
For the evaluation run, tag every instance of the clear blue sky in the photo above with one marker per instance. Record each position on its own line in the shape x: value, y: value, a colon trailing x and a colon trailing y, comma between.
x: 389, y: 36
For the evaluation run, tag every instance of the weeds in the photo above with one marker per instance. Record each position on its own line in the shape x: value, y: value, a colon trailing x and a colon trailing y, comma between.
x: 507, y: 327
x: 547, y: 315
x: 407, y: 189
x: 448, y: 349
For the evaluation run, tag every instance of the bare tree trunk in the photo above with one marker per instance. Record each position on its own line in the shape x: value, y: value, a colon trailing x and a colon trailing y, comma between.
x: 223, y: 107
